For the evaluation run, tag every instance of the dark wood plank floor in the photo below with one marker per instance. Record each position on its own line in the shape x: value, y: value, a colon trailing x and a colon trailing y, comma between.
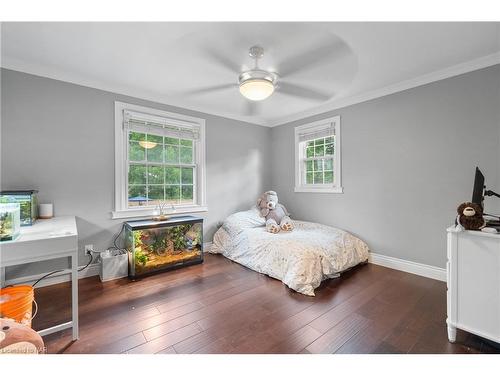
x: 222, y: 307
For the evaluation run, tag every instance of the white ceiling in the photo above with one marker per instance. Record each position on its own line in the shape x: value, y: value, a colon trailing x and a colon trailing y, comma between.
x: 165, y: 62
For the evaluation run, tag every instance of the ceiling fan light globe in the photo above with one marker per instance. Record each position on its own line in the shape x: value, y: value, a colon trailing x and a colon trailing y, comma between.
x: 256, y: 89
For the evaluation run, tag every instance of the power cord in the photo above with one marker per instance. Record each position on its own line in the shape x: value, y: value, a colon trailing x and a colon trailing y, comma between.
x: 57, y: 271
x: 114, y: 247
x: 496, y: 216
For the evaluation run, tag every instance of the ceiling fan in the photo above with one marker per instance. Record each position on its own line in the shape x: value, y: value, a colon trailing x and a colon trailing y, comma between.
x: 258, y: 84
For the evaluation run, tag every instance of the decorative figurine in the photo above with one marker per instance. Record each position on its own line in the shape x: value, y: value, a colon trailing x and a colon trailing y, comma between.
x: 162, y: 211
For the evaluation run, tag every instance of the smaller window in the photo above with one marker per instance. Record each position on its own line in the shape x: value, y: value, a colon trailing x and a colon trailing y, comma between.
x: 317, y: 157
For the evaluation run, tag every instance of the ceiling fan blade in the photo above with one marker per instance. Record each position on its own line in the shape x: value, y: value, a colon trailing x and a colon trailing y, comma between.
x: 302, y: 91
x: 224, y: 61
x: 315, y: 56
x: 251, y: 108
x: 209, y: 89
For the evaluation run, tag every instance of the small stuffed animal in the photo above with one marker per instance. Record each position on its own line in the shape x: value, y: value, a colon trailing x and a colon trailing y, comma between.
x: 16, y: 338
x: 276, y: 215
x: 470, y: 216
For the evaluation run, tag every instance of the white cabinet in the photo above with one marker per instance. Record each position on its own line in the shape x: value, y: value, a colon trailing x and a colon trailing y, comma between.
x: 473, y: 280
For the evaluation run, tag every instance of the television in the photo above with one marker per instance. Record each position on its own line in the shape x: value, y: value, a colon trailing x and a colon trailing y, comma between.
x: 478, y: 194
x: 478, y: 191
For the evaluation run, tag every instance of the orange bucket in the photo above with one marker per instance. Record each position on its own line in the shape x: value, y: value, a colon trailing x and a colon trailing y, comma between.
x: 16, y: 302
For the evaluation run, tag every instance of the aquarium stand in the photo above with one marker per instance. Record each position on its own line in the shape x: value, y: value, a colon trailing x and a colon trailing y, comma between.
x: 156, y: 246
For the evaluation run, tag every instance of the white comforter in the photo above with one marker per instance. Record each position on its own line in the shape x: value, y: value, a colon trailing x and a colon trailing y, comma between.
x: 301, y: 259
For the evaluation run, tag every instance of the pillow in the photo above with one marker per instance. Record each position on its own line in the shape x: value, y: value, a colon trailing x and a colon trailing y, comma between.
x: 238, y: 221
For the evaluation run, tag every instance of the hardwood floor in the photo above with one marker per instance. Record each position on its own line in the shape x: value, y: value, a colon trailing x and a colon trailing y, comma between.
x: 222, y: 307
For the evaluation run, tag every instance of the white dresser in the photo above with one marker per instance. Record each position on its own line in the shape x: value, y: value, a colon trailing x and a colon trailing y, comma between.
x: 473, y: 279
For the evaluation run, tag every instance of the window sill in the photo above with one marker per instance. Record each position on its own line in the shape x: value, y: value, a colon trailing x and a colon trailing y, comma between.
x: 147, y: 212
x: 312, y: 189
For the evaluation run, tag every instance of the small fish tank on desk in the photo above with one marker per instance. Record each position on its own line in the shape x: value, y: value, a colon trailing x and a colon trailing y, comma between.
x: 10, y: 219
x: 155, y: 246
x: 28, y: 203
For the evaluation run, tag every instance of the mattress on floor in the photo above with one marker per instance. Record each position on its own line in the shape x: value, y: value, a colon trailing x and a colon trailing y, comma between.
x: 301, y: 259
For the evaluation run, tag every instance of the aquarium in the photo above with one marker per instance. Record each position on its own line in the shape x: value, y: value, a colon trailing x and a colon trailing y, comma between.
x: 161, y: 245
x: 28, y: 202
x: 9, y: 219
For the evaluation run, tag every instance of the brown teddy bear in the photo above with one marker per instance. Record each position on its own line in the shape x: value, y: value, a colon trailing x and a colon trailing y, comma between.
x: 470, y: 216
x: 17, y: 338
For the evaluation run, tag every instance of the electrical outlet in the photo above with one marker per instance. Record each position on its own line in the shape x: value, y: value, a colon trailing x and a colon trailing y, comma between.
x: 89, y: 249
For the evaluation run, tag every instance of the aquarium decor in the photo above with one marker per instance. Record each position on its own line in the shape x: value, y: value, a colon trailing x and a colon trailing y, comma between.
x: 28, y: 202
x: 161, y: 245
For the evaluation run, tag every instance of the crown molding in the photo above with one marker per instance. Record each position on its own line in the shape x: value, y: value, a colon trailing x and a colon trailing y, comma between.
x: 438, y: 75
x: 60, y: 75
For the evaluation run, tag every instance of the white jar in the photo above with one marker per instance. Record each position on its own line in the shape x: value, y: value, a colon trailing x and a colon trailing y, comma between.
x: 45, y: 210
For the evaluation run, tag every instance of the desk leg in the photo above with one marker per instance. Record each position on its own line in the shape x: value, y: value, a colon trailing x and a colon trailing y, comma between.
x: 2, y: 277
x: 452, y: 333
x: 74, y: 295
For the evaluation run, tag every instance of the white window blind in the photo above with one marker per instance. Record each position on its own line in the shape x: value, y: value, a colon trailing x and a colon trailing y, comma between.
x: 154, y: 125
x: 323, y: 131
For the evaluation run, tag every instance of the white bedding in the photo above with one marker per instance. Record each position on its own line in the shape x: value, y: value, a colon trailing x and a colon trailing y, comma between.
x: 301, y: 258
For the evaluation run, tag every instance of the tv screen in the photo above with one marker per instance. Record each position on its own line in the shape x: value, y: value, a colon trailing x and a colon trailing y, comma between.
x: 477, y: 193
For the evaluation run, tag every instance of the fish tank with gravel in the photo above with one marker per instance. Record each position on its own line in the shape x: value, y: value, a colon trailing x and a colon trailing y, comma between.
x: 28, y: 203
x: 155, y: 246
x: 10, y: 219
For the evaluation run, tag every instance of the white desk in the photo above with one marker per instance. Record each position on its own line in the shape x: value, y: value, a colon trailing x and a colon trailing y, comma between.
x: 473, y: 280
x: 47, y: 239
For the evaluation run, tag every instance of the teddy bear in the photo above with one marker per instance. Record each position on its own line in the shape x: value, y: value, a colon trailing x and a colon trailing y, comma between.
x: 276, y: 215
x: 470, y: 216
x: 17, y: 338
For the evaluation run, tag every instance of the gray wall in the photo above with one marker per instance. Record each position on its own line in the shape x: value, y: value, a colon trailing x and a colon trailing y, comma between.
x: 58, y: 137
x: 408, y: 160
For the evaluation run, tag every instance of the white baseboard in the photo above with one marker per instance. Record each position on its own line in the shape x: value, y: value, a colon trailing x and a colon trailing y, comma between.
x: 420, y: 269
x: 91, y: 270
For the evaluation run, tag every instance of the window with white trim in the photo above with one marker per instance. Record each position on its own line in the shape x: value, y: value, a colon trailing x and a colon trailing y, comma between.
x: 317, y: 157
x: 160, y: 158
